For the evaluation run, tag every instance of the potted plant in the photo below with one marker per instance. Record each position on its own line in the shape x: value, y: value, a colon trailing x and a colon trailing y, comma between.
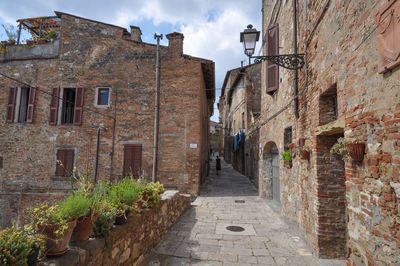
x: 52, y: 34
x: 56, y: 223
x: 287, y: 159
x: 151, y: 194
x: 304, y: 152
x: 353, y: 149
x: 18, y: 247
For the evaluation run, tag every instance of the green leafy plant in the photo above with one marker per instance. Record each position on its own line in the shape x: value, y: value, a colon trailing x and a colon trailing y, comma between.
x: 16, y: 245
x: 122, y: 194
x: 340, y: 147
x: 151, y: 194
x: 75, y: 206
x: 286, y: 156
x: 46, y: 214
x: 52, y: 34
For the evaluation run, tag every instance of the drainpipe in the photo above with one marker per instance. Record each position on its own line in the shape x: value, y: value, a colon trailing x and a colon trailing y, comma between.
x: 295, y: 74
x: 113, y: 136
x: 156, y: 108
x: 97, y: 151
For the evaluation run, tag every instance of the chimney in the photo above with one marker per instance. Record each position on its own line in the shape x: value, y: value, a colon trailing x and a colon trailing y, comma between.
x: 175, y: 43
x: 136, y: 33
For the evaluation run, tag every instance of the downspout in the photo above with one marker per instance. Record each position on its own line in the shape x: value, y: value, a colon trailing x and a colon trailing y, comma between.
x: 113, y: 136
x: 295, y: 73
x: 156, y: 108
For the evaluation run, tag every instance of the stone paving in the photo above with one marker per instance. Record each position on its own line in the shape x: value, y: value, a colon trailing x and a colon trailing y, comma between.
x: 200, y: 236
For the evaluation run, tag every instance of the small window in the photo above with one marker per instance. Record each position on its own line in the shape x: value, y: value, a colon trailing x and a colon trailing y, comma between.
x: 1, y: 162
x: 23, y: 105
x: 103, y: 96
x: 65, y: 162
x: 102, y: 99
x: 287, y: 138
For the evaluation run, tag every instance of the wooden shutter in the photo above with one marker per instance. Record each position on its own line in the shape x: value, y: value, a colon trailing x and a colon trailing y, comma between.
x: 132, y: 159
x: 272, y: 49
x: 66, y: 157
x: 54, y: 106
x: 12, y: 97
x: 69, y: 162
x: 78, y: 106
x: 31, y: 105
x: 60, y: 158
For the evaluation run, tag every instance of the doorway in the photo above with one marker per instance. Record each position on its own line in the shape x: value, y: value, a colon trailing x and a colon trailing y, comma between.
x: 276, y: 190
x: 270, y: 183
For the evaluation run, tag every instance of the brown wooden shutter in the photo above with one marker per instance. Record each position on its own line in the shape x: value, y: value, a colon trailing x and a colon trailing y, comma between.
x: 272, y: 49
x: 12, y: 97
x: 60, y: 158
x: 78, y: 106
x: 69, y: 162
x: 54, y: 106
x: 66, y: 157
x: 31, y: 105
x: 137, y: 160
x: 132, y: 159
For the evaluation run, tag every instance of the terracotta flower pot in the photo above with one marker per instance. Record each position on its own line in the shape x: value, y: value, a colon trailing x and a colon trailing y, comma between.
x: 356, y: 151
x: 83, y: 229
x: 287, y: 164
x: 305, y: 154
x: 56, y: 246
x: 291, y: 145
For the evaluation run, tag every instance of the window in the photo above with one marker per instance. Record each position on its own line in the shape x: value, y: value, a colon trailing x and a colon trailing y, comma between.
x: 132, y: 159
x: 1, y: 162
x: 20, y: 106
x: 103, y: 97
x: 64, y: 162
x: 328, y: 108
x: 287, y: 138
x: 272, y: 48
x: 66, y: 106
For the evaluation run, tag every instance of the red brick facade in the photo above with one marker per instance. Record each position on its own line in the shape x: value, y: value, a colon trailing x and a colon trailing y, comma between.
x: 89, y: 56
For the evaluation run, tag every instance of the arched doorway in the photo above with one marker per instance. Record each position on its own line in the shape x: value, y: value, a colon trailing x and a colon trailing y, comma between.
x: 270, y: 188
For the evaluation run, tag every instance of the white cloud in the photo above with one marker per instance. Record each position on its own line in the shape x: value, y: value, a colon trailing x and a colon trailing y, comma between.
x: 211, y: 27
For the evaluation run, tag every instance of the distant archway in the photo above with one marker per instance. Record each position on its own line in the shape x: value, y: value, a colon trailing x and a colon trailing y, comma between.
x: 270, y: 185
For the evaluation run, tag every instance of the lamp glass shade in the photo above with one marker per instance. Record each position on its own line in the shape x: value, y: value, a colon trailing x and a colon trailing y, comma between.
x: 249, y: 37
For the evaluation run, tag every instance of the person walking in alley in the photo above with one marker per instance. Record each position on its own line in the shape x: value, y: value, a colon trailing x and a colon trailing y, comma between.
x: 218, y: 164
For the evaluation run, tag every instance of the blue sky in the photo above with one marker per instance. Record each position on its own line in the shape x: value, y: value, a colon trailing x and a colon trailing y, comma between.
x: 211, y: 27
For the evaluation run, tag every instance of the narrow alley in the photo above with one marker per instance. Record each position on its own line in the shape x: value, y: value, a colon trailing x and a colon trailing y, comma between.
x: 200, y: 236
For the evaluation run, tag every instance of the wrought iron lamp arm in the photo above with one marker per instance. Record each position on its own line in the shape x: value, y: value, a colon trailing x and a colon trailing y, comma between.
x: 288, y: 61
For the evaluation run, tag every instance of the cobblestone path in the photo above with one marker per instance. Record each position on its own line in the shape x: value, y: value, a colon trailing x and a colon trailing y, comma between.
x: 200, y: 237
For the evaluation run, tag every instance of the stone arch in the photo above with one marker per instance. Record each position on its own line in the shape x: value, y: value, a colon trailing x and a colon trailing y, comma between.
x: 270, y: 151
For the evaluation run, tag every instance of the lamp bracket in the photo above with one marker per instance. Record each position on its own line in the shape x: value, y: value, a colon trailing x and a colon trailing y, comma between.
x: 288, y: 61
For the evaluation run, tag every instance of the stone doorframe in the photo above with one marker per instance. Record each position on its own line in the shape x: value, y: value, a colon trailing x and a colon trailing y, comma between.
x: 265, y: 177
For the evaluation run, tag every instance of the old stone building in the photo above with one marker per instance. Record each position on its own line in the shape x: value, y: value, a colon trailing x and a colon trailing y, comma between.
x: 54, y: 97
x: 349, y: 88
x: 239, y: 107
x: 215, y: 129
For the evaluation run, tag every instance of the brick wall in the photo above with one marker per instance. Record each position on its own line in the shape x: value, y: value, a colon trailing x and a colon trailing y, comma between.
x: 91, y: 55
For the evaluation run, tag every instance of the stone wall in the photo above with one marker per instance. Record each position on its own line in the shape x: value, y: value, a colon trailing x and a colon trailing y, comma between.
x: 130, y: 243
x: 347, y: 210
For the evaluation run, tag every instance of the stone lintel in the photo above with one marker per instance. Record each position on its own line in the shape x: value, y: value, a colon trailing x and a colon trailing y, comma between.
x: 332, y: 128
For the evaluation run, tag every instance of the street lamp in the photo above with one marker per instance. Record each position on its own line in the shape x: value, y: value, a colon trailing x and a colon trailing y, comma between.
x: 250, y: 36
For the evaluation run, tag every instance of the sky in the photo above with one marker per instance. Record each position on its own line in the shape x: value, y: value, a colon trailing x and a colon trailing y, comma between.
x: 211, y: 27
